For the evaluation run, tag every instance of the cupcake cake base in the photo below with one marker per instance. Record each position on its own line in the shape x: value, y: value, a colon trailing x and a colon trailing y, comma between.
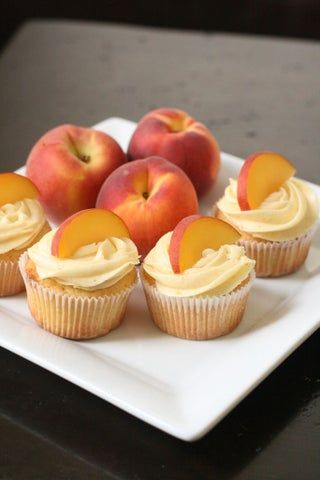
x: 276, y: 259
x: 72, y: 312
x: 11, y: 281
x: 273, y: 259
x: 196, y: 318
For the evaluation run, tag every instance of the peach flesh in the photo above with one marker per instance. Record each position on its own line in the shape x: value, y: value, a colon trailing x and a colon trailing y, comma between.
x: 15, y: 187
x: 88, y: 226
x: 262, y: 174
x: 193, y: 235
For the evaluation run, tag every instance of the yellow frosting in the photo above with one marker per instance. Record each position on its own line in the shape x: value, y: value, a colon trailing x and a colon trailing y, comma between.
x: 20, y: 223
x: 286, y: 214
x: 216, y: 273
x: 94, y: 266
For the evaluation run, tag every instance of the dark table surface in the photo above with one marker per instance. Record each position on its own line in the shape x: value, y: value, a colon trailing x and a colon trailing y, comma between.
x: 253, y: 93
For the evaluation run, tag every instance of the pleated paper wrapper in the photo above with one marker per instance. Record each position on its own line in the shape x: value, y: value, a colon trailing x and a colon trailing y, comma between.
x: 71, y: 316
x: 274, y: 259
x: 11, y: 281
x: 196, y: 318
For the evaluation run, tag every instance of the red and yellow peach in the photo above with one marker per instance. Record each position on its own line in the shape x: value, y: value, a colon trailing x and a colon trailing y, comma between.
x: 68, y: 165
x: 177, y: 137
x: 151, y: 196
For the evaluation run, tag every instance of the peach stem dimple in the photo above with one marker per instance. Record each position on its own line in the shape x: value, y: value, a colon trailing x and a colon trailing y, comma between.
x: 81, y: 156
x: 178, y: 125
x: 84, y: 158
x: 175, y: 125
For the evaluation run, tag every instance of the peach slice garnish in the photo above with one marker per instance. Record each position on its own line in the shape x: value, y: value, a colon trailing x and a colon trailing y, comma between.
x: 262, y: 174
x: 87, y: 226
x: 15, y: 187
x: 194, y: 234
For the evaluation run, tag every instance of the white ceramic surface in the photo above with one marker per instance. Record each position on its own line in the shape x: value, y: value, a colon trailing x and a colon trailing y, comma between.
x: 179, y: 386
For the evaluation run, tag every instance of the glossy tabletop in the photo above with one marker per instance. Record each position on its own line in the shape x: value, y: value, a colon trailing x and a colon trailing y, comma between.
x: 253, y: 93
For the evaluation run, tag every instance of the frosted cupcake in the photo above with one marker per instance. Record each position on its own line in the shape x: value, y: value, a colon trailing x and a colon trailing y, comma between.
x: 278, y: 229
x: 78, y: 277
x: 196, y: 281
x: 22, y: 223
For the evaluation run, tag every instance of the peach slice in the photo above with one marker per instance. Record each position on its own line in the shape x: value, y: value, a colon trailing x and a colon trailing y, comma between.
x: 15, y: 187
x: 194, y: 234
x: 85, y: 227
x: 262, y: 174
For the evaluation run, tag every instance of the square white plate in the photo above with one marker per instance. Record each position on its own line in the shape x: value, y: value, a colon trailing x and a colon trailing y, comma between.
x: 179, y: 386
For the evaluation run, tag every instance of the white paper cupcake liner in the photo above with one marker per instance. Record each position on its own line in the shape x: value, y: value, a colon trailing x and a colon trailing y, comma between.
x: 274, y: 259
x: 197, y: 318
x: 11, y: 281
x: 71, y: 316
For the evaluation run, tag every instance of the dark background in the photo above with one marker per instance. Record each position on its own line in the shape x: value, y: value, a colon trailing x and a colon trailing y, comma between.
x: 51, y: 429
x: 285, y: 18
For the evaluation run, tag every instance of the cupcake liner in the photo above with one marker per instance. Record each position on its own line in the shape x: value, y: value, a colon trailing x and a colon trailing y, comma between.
x: 73, y: 316
x: 197, y: 318
x: 11, y: 281
x: 274, y: 259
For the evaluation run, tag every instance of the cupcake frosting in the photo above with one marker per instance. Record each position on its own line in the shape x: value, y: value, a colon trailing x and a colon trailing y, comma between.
x: 284, y: 215
x: 217, y: 272
x: 94, y: 266
x: 20, y: 223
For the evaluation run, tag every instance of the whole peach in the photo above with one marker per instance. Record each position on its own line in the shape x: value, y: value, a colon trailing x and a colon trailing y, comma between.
x: 68, y: 165
x: 151, y: 196
x: 174, y: 135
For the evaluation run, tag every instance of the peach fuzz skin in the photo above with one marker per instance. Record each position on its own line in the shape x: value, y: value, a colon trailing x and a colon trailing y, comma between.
x: 151, y: 196
x: 194, y: 234
x: 174, y: 135
x: 273, y: 170
x: 68, y: 165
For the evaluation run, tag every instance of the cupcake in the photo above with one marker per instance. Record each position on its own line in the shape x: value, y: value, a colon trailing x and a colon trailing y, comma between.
x: 196, y: 281
x: 22, y: 223
x: 78, y: 277
x: 275, y: 213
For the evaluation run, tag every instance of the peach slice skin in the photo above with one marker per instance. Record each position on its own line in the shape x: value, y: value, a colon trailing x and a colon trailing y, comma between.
x: 15, y: 187
x: 85, y: 227
x: 194, y: 234
x: 262, y: 174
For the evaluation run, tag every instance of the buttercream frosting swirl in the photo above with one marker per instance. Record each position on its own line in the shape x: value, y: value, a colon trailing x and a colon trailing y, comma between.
x: 20, y: 223
x: 92, y: 267
x: 284, y: 215
x: 217, y: 272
